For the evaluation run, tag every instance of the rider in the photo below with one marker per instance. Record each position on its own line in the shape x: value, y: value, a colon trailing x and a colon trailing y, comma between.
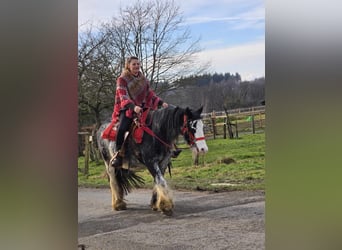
x: 132, y: 94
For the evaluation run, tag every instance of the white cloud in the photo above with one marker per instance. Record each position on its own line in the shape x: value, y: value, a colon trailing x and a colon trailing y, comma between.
x: 195, y: 11
x: 254, y: 18
x: 256, y: 13
x: 203, y: 19
x: 248, y: 60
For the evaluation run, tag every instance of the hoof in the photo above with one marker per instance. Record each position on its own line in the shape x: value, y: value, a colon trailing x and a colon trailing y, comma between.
x: 167, y: 212
x: 154, y: 207
x: 120, y: 206
x: 166, y: 207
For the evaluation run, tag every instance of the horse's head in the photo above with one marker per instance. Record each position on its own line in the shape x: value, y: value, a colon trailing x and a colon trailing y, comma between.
x: 193, y: 130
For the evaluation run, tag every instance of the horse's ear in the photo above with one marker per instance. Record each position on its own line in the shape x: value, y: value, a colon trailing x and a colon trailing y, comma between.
x: 188, y: 112
x: 199, y: 111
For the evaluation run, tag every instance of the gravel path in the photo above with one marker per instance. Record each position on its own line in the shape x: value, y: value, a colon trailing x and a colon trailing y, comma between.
x: 201, y: 220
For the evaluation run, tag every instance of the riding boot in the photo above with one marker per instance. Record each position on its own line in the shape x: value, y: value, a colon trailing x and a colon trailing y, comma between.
x: 116, y: 161
x: 119, y: 154
x: 175, y: 153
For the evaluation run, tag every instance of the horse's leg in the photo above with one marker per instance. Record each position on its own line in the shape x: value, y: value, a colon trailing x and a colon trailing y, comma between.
x: 154, y: 200
x: 117, y: 193
x: 194, y: 156
x: 164, y: 202
x: 161, y: 197
x: 203, y: 159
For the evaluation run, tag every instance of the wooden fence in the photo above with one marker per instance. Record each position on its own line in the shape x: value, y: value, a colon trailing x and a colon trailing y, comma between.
x: 87, y: 146
x: 218, y: 124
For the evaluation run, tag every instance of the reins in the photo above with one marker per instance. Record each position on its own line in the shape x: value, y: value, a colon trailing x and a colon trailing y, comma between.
x: 140, y: 122
x: 151, y: 133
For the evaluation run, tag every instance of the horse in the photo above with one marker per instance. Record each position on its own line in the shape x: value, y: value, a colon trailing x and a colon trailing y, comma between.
x: 161, y: 130
x: 199, y: 148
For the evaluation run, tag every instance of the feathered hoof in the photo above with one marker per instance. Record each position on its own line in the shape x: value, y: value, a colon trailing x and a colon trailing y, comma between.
x: 166, y: 207
x: 163, y: 200
x: 154, y: 208
x: 121, y: 205
x: 167, y: 212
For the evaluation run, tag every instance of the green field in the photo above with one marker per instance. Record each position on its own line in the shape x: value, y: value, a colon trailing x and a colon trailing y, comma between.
x: 216, y: 172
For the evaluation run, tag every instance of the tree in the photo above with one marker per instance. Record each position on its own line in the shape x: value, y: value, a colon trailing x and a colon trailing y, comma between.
x: 153, y: 31
x: 226, y: 93
x: 96, y: 76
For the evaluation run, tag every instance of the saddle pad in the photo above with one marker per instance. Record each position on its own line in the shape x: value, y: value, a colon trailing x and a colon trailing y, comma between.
x: 138, y: 133
x: 110, y: 132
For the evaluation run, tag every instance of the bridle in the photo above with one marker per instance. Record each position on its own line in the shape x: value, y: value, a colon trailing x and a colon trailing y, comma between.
x: 187, y: 132
x: 192, y: 138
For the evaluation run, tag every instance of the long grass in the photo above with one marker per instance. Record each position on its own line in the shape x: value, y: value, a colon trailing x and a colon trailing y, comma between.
x: 230, y: 164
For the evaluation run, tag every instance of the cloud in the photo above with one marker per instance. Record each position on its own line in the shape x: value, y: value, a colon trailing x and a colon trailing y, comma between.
x: 248, y: 59
x: 203, y: 19
x: 254, y: 18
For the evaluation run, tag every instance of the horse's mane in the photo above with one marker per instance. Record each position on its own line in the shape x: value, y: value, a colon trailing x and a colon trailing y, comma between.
x: 166, y: 123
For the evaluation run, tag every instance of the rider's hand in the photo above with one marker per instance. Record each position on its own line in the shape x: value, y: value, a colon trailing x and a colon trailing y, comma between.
x: 137, y: 109
x: 165, y: 105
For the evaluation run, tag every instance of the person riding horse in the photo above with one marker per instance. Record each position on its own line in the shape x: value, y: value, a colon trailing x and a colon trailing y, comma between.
x: 133, y: 93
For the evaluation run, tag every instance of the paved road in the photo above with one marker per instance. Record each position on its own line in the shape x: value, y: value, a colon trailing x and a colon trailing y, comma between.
x: 201, y: 220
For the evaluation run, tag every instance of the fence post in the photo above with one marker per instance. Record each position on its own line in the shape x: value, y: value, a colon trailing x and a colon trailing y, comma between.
x: 236, y: 129
x: 225, y: 129
x: 86, y: 155
x: 213, y: 121
x: 253, y: 124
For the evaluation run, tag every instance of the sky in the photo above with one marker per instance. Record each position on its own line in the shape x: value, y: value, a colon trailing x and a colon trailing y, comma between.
x: 231, y: 32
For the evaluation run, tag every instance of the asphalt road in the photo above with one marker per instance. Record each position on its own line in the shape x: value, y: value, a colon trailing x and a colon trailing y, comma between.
x: 201, y: 220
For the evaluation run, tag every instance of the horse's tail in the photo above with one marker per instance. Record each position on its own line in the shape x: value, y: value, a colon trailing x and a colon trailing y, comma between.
x: 127, y: 180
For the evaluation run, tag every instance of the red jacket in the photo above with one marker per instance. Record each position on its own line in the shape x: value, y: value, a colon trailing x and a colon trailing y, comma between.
x: 133, y: 91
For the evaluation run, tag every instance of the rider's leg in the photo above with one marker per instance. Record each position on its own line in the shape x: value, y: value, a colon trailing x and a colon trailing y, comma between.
x: 124, y: 124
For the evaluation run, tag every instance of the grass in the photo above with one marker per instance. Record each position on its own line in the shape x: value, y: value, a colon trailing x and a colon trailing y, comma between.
x: 217, y: 173
x: 96, y: 176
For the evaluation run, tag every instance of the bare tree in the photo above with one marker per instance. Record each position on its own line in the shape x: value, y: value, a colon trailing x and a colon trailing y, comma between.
x: 96, y: 75
x: 154, y: 31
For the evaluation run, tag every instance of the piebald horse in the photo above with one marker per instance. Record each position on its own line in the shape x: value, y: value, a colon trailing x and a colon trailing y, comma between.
x: 199, y: 148
x: 161, y: 130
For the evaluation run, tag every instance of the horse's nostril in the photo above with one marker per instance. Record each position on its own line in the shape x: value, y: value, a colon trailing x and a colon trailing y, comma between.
x: 202, y: 149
